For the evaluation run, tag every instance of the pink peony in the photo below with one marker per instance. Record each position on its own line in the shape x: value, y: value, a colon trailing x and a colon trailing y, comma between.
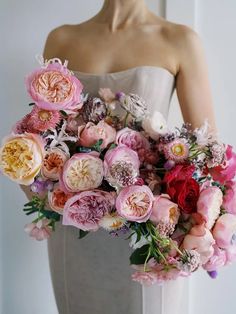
x: 121, y: 166
x: 218, y: 259
x: 229, y: 199
x: 200, y: 239
x: 54, y: 88
x: 40, y: 230
x: 227, y: 170
x: 57, y: 199
x: 224, y: 231
x: 132, y: 139
x: 208, y: 204
x: 135, y: 203
x: 165, y: 213
x: 90, y: 133
x: 83, y: 171
x: 53, y: 163
x: 86, y: 209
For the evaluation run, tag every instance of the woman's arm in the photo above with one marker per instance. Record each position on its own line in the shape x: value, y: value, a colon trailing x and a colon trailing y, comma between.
x: 192, y: 81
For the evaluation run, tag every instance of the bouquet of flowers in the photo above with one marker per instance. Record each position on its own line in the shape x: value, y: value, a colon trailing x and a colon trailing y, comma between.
x: 105, y: 162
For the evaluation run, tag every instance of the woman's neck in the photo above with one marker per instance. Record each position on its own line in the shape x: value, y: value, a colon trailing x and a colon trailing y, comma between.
x: 119, y: 14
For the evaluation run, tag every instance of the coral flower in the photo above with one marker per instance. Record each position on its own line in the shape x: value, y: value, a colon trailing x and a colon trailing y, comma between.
x: 42, y: 120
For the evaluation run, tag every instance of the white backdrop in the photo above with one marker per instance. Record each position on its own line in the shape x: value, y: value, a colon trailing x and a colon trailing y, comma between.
x: 25, y: 285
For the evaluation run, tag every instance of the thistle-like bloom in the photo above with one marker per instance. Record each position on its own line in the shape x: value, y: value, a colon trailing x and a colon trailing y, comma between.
x: 189, y: 261
x: 94, y: 110
x: 133, y: 104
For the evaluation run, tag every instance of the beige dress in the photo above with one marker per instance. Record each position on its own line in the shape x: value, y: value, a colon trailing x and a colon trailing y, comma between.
x: 92, y: 275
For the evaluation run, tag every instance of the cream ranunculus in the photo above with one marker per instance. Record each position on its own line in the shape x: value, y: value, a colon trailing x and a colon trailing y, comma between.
x: 21, y: 157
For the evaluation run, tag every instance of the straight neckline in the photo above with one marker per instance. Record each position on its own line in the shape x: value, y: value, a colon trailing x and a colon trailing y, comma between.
x: 125, y: 71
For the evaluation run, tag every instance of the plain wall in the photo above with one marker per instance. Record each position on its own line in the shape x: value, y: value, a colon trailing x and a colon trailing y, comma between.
x: 25, y: 285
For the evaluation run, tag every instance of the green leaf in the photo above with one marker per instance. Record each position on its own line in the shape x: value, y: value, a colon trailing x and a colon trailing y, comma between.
x: 82, y: 233
x: 138, y: 257
x: 63, y: 113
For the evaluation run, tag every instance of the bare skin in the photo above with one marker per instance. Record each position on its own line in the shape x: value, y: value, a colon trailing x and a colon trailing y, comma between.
x: 126, y: 34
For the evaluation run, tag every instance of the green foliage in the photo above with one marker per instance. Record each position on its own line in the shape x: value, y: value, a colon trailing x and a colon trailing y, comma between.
x: 82, y: 234
x: 139, y: 255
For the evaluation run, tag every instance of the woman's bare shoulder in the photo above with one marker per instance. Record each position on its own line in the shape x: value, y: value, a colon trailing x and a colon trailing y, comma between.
x: 59, y: 37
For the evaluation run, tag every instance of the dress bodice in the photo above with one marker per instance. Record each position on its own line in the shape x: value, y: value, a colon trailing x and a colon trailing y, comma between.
x: 154, y: 84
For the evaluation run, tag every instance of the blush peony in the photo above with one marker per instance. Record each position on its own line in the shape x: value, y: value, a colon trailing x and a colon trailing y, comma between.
x: 135, y: 203
x: 85, y: 210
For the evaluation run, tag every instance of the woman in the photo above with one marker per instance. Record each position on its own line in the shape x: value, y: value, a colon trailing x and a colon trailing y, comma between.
x: 125, y: 47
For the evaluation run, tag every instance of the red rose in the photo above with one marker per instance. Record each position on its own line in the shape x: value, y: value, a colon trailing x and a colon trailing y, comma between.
x: 182, y: 172
x: 182, y: 188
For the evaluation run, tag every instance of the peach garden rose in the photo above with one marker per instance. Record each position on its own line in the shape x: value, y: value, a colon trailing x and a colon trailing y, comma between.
x: 53, y: 163
x: 21, y: 157
x: 83, y: 171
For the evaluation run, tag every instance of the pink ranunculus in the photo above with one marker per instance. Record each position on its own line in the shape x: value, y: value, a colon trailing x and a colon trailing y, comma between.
x: 39, y: 230
x: 135, y: 203
x: 85, y: 210
x: 230, y: 254
x: 224, y: 231
x: 225, y: 172
x: 121, y: 166
x: 200, y: 239
x: 57, y: 199
x: 90, y: 133
x: 145, y: 278
x: 83, y: 171
x: 218, y: 259
x: 54, y: 88
x: 53, y: 163
x: 132, y: 139
x: 21, y: 157
x: 208, y: 204
x: 164, y: 210
x: 229, y: 199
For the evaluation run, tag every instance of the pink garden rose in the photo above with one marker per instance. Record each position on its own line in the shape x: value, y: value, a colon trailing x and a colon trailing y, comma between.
x: 218, y: 259
x: 165, y: 214
x: 83, y: 171
x: 225, y: 172
x: 53, y: 163
x: 57, y: 199
x: 135, y: 203
x: 224, y: 231
x: 54, y: 88
x: 21, y: 157
x: 86, y: 209
x: 132, y: 139
x: 90, y: 133
x: 208, y: 204
x: 39, y: 230
x: 121, y: 166
x: 200, y: 239
x: 229, y: 199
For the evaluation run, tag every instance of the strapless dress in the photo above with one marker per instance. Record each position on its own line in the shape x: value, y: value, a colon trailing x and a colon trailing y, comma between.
x: 92, y: 275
